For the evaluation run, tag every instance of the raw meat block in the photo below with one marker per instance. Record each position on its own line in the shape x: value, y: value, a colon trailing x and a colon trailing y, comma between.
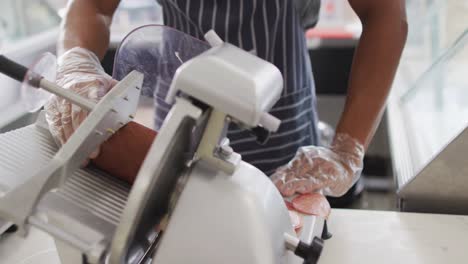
x: 122, y: 155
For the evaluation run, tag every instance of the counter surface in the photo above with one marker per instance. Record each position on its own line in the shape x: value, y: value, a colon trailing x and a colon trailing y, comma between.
x: 359, y: 236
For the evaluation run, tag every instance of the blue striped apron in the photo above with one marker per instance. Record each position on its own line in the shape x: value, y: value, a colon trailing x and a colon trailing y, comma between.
x: 273, y: 29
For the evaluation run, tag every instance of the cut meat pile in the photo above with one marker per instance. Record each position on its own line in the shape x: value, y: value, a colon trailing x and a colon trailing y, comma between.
x: 289, y: 205
x: 312, y: 204
x: 309, y: 204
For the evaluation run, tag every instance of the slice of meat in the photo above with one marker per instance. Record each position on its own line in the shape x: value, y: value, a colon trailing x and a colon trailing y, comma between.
x: 289, y: 205
x: 296, y: 219
x: 312, y: 204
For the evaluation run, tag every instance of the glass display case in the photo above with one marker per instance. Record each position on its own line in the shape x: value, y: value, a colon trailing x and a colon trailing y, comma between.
x: 436, y: 108
x: 428, y: 110
x: 433, y: 27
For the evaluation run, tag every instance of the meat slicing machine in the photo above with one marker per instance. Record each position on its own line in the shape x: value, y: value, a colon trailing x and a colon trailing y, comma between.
x: 194, y: 199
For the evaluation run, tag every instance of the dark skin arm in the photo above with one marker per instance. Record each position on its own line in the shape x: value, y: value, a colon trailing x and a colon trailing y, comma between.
x: 375, y: 62
x: 372, y: 72
x: 87, y: 25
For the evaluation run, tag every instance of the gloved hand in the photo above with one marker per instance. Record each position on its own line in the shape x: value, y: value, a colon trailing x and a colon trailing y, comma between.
x: 333, y: 170
x: 80, y: 71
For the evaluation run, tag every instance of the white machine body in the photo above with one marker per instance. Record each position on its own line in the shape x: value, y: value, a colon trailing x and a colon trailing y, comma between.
x: 230, y: 219
x: 241, y: 220
x: 212, y: 207
x: 223, y: 217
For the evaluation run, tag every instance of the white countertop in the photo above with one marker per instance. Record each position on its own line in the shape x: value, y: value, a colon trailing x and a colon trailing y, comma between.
x: 359, y: 236
x: 37, y: 248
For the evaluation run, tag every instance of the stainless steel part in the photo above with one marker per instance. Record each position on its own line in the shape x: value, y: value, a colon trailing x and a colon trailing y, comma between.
x: 210, y: 144
x: 67, y: 94
x: 428, y: 128
x: 89, y: 201
x: 441, y: 186
x: 23, y: 152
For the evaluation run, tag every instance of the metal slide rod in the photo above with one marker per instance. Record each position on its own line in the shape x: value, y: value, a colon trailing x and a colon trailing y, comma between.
x: 19, y: 72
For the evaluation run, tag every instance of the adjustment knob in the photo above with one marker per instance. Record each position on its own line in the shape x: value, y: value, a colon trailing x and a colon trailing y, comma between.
x: 310, y: 253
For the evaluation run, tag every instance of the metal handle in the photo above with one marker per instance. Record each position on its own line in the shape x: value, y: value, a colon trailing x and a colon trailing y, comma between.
x: 18, y: 72
x: 12, y: 69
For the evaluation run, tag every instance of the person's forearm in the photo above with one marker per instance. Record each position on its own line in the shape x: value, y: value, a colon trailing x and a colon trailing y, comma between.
x: 375, y: 62
x: 86, y: 25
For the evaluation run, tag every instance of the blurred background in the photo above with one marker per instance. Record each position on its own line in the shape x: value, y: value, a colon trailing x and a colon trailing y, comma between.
x: 427, y: 109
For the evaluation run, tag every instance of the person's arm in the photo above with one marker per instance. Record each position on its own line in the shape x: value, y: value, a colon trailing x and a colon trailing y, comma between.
x: 334, y: 169
x: 375, y: 62
x: 86, y: 25
x: 83, y: 41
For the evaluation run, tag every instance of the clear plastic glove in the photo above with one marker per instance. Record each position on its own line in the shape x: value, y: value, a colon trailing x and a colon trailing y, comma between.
x: 80, y: 71
x: 332, y: 170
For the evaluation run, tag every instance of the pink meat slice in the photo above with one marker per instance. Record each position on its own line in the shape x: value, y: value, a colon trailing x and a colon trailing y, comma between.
x: 289, y: 205
x: 312, y: 204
